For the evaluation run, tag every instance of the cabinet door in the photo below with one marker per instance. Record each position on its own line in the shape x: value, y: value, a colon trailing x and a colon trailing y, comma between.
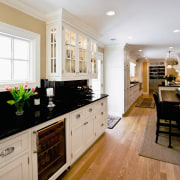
x: 89, y: 131
x: 77, y: 141
x: 70, y: 52
x: 93, y: 59
x: 83, y: 55
x: 17, y: 169
x: 52, y: 58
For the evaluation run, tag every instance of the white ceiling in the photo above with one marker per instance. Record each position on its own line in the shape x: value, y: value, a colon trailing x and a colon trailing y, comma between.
x: 149, y: 22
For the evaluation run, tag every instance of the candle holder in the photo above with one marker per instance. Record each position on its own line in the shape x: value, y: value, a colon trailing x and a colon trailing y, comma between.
x: 50, y: 94
x: 51, y: 104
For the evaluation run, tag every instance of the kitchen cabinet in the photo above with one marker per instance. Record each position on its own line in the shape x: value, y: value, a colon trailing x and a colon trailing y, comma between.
x: 93, y: 59
x: 17, y: 169
x: 14, y: 157
x: 87, y: 124
x: 19, y: 153
x: 82, y: 130
x: 131, y: 95
x: 71, y: 53
x: 101, y: 117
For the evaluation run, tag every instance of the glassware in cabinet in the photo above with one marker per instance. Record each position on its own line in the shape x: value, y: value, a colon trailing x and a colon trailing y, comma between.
x: 70, y: 51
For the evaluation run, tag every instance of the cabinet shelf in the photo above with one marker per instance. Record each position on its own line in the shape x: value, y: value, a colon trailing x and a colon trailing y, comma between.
x: 156, y: 72
x: 69, y: 44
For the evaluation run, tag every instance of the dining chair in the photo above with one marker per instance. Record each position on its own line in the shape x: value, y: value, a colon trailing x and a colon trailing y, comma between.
x: 166, y: 113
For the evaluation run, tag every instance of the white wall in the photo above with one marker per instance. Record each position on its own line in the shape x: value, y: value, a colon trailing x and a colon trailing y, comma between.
x: 139, y: 71
x: 114, y: 78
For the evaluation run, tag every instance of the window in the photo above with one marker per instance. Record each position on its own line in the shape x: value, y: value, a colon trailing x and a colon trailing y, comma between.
x: 132, y: 69
x: 19, y: 56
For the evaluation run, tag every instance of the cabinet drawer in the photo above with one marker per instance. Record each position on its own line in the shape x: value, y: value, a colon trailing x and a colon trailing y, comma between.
x: 77, y: 117
x: 102, y: 104
x: 12, y: 147
x: 89, y: 111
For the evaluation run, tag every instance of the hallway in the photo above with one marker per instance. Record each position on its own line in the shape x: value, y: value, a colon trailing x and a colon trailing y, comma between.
x: 115, y: 154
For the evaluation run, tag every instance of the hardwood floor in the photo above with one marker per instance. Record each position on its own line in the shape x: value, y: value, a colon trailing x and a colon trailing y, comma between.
x: 115, y: 155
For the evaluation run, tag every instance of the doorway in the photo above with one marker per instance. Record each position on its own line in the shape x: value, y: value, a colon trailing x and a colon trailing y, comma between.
x: 97, y: 84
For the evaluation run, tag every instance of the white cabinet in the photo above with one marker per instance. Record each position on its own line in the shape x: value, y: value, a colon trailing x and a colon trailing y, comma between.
x: 101, y: 117
x: 14, y: 157
x: 131, y: 95
x: 17, y: 169
x: 71, y: 54
x: 93, y: 59
x: 87, y: 124
x: 82, y: 130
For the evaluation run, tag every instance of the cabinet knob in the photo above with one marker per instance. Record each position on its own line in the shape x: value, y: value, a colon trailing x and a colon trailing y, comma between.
x: 78, y: 116
x: 101, y: 104
x: 90, y: 110
x: 102, y: 113
x: 7, y: 151
x: 85, y: 123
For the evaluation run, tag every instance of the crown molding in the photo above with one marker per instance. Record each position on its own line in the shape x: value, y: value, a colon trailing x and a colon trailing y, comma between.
x: 19, y: 5
x: 66, y: 17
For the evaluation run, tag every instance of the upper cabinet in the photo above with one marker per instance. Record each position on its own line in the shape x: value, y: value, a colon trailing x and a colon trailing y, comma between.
x: 71, y: 52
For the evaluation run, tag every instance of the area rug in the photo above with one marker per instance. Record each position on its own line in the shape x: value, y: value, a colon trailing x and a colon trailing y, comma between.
x: 159, y: 151
x: 112, y: 121
x: 146, y: 103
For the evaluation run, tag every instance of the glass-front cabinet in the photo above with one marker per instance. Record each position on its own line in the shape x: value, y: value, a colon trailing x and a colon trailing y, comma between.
x: 83, y: 55
x: 71, y: 55
x: 93, y: 59
x: 70, y: 51
x: 53, y: 50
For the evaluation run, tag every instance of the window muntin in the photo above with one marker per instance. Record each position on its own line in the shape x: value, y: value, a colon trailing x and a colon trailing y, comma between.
x: 14, y: 59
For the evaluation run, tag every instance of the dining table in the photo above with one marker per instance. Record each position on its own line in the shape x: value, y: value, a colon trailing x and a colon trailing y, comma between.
x: 171, y: 99
x: 170, y: 96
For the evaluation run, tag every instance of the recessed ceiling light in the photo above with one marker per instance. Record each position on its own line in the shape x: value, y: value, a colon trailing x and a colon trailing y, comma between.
x: 112, y: 39
x: 171, y: 47
x: 176, y: 30
x: 140, y: 50
x: 110, y: 13
x: 130, y: 37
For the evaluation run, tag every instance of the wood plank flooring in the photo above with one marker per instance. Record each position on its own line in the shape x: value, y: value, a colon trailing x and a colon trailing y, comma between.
x: 115, y: 154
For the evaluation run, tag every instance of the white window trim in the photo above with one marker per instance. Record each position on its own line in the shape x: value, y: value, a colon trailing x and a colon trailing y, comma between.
x: 35, y: 38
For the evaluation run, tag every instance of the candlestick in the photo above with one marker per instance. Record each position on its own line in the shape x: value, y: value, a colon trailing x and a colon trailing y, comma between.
x: 49, y: 92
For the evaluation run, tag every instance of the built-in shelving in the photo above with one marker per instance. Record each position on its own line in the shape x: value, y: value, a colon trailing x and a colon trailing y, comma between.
x: 156, y: 72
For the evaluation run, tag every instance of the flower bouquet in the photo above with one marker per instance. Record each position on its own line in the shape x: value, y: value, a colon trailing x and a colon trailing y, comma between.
x: 21, y: 94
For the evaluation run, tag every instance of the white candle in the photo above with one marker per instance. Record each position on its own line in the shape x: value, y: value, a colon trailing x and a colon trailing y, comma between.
x: 49, y: 92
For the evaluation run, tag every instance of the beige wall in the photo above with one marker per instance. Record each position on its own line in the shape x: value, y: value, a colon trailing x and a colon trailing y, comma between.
x: 17, y: 18
x: 145, y: 74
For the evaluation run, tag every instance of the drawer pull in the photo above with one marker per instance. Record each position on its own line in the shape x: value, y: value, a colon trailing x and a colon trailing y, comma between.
x: 102, y: 124
x: 78, y: 116
x: 102, y: 104
x: 85, y: 123
x: 102, y: 113
x: 7, y: 151
x: 90, y: 110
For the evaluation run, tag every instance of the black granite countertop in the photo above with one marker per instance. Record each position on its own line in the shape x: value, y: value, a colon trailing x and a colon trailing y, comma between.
x: 12, y: 124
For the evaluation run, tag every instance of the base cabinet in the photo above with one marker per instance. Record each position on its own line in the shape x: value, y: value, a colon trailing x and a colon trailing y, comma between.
x: 14, y: 157
x: 18, y: 153
x: 18, y: 169
x: 87, y: 124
